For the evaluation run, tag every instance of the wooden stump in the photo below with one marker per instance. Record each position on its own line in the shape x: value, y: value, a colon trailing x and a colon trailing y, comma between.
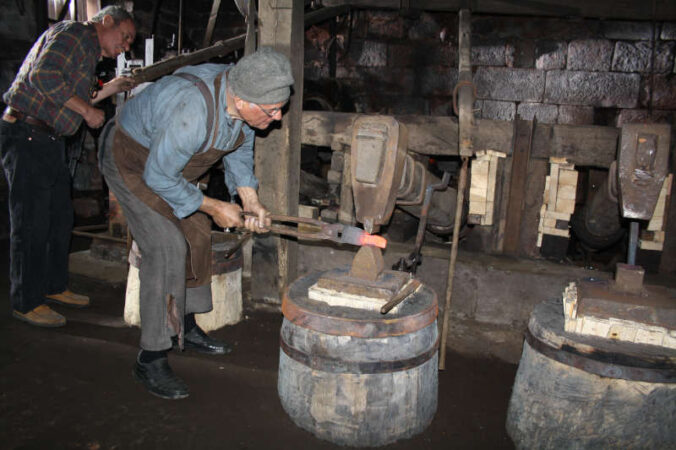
x: 356, y: 377
x: 574, y: 391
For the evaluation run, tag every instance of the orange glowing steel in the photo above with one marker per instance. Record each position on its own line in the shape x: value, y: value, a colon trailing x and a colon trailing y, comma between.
x: 373, y: 240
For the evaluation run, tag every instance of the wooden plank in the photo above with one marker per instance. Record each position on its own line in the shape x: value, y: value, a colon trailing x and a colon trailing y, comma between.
x: 523, y: 133
x: 606, y: 9
x: 584, y: 145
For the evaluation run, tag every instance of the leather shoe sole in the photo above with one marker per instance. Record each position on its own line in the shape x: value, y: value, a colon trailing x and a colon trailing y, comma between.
x: 41, y: 316
x: 68, y: 298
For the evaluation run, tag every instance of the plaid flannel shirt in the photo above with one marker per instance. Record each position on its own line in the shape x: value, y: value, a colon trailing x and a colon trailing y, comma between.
x: 61, y: 64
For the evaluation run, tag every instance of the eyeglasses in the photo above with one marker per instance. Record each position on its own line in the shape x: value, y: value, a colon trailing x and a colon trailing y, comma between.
x: 272, y: 112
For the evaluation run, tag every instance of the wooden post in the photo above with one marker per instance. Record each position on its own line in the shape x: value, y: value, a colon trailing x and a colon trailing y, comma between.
x: 212, y: 23
x: 277, y: 153
x: 522, y: 138
x: 465, y: 86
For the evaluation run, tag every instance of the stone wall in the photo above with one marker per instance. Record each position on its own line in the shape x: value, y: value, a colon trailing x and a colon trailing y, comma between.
x: 569, y: 71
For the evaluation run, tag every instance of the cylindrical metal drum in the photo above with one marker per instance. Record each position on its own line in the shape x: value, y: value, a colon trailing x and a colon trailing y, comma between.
x: 356, y: 377
x: 576, y: 391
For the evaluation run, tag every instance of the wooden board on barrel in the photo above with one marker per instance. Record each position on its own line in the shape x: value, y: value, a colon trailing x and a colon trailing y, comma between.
x: 357, y: 377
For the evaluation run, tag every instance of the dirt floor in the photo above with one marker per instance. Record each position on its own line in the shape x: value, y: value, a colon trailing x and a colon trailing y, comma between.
x: 72, y: 388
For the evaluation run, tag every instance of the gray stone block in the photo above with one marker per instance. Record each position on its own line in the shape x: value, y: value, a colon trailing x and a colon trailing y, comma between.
x: 385, y: 24
x: 426, y: 27
x: 373, y: 54
x: 576, y: 115
x: 541, y: 111
x: 496, y: 110
x: 664, y: 56
x: 499, y: 83
x: 644, y: 116
x: 592, y: 88
x: 422, y: 53
x: 632, y: 56
x: 438, y: 81
x: 520, y: 53
x: 438, y: 106
x: 668, y: 31
x: 399, y: 81
x: 550, y: 55
x: 316, y: 70
x: 400, y: 55
x: 629, y: 31
x: 590, y: 55
x: 397, y: 104
x: 488, y: 53
x: 664, y: 93
x: 636, y: 56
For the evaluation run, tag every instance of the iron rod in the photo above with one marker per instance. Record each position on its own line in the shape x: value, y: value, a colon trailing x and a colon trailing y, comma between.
x: 633, y: 242
x: 454, y: 255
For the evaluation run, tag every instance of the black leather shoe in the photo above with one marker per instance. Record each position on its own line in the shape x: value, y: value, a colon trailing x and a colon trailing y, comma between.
x: 198, y: 340
x: 159, y: 379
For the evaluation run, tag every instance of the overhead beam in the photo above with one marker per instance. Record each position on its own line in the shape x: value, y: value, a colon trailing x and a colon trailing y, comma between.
x: 584, y: 145
x: 603, y: 9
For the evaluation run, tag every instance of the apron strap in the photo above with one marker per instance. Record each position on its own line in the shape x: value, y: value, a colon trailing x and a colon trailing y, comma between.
x: 208, y: 98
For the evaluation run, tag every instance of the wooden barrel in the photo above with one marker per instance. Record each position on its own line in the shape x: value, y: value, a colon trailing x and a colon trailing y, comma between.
x: 356, y: 377
x: 575, y: 391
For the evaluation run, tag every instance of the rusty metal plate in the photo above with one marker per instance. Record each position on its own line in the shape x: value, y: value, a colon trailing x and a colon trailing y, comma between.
x: 419, y: 310
x: 642, y: 166
x: 604, y: 299
x: 377, y: 161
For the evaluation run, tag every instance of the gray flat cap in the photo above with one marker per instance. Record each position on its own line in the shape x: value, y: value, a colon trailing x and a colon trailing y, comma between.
x: 262, y: 77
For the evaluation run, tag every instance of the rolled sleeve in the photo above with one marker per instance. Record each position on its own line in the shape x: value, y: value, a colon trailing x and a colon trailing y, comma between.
x: 239, y: 165
x: 47, y: 76
x: 170, y: 151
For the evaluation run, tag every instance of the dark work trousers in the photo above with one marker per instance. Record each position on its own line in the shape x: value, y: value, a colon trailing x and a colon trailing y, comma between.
x: 162, y: 268
x: 40, y: 211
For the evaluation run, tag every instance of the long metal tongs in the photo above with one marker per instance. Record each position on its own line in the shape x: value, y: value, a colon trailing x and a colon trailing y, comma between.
x: 316, y: 230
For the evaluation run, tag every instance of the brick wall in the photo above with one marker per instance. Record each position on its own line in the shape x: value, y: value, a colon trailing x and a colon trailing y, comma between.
x: 558, y: 70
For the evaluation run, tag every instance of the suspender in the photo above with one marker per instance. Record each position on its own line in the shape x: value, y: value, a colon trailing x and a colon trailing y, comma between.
x: 209, y: 99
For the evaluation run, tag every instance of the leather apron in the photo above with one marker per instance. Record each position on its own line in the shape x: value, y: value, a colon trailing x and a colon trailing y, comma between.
x: 130, y: 158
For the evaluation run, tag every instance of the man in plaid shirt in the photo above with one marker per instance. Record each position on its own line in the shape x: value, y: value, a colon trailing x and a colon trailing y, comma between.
x: 49, y: 99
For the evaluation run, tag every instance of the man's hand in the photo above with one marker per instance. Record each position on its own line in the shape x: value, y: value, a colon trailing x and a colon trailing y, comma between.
x: 94, y: 117
x: 225, y: 214
x: 261, y: 222
x: 120, y: 84
x: 117, y: 84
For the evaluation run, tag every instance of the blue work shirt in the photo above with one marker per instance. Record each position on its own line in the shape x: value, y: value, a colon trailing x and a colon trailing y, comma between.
x: 169, y: 118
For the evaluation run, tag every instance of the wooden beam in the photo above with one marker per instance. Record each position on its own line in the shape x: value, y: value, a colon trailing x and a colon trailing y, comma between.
x: 582, y: 145
x: 603, y: 9
x: 323, y: 14
x: 277, y: 155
